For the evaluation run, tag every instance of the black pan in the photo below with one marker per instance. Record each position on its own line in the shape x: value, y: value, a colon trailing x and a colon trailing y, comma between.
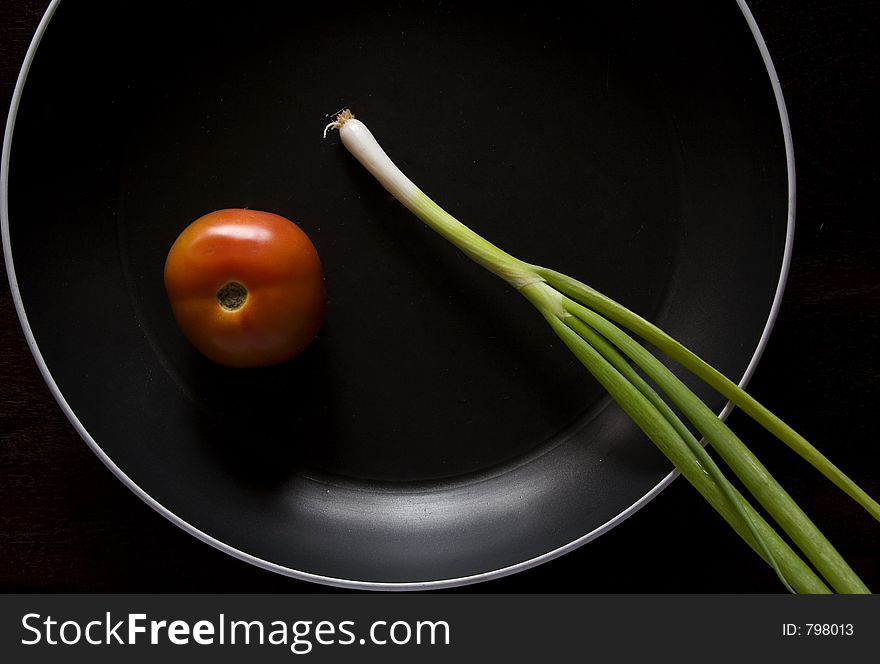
x: 435, y: 433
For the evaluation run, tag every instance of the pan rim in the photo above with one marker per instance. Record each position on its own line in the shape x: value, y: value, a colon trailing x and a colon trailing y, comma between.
x: 354, y: 584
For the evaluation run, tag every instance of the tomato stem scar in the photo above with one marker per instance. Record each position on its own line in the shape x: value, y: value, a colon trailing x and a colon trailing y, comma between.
x: 232, y: 296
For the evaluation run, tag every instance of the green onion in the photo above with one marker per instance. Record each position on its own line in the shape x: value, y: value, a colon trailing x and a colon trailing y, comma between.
x: 589, y: 324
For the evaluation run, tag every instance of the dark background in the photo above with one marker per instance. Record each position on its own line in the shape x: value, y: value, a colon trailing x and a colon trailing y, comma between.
x: 67, y: 524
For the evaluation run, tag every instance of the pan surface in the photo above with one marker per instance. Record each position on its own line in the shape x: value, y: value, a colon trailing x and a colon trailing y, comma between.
x: 435, y: 433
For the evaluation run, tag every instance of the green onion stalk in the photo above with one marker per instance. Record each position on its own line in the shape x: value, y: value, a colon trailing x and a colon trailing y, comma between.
x: 603, y: 335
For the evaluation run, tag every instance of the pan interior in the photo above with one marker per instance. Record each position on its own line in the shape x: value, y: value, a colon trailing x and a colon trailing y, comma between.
x: 435, y: 429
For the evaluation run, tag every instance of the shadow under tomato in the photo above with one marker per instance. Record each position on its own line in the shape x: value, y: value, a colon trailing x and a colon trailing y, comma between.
x: 265, y: 424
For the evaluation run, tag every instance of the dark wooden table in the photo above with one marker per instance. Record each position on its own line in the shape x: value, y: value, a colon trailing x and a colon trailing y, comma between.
x: 66, y: 524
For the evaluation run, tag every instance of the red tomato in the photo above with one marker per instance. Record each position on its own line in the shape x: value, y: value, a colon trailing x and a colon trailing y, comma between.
x: 246, y: 287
